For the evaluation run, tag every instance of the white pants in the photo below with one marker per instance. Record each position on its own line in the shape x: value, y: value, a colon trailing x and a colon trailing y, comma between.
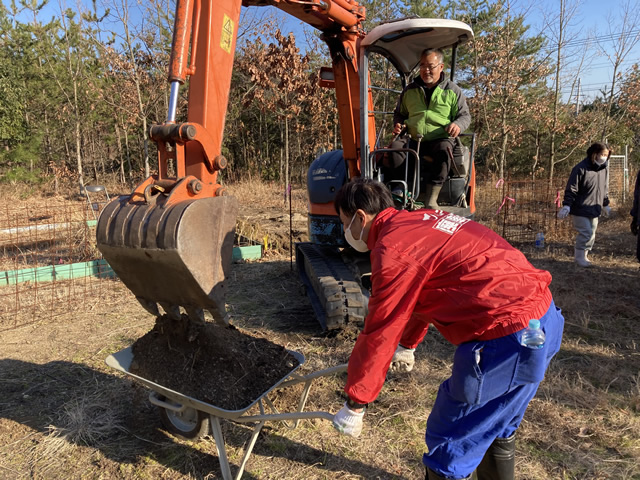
x: 586, y: 228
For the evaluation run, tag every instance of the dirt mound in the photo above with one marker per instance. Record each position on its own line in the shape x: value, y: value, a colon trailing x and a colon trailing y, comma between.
x: 224, y: 366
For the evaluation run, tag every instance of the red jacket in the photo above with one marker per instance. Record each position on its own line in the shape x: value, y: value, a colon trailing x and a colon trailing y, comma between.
x: 433, y: 267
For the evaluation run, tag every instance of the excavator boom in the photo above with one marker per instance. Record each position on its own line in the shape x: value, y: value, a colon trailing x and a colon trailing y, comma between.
x: 170, y: 241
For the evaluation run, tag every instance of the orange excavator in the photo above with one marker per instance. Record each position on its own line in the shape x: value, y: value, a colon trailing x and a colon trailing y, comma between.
x: 170, y: 241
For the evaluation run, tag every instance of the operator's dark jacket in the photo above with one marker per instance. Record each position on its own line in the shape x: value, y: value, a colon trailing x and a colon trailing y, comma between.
x: 429, y: 116
x: 587, y: 191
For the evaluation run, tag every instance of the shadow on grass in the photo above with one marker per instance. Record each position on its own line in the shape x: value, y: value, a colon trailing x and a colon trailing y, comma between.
x: 82, y: 406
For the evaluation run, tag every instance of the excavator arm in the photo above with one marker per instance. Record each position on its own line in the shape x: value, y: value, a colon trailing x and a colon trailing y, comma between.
x: 170, y: 241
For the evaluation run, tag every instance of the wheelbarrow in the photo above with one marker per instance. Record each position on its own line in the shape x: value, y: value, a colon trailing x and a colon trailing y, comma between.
x: 190, y: 419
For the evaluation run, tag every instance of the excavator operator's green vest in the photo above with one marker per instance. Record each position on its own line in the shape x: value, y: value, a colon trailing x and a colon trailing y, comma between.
x: 429, y: 122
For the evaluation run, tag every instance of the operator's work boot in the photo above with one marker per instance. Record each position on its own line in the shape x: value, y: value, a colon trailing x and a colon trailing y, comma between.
x: 431, y: 194
x: 431, y: 475
x: 581, y: 258
x: 499, y: 462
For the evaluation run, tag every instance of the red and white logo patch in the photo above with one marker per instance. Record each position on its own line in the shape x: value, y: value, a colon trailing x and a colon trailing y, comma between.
x: 450, y: 224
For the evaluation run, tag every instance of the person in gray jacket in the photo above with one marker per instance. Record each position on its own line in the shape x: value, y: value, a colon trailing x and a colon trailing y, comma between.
x: 586, y: 197
x: 635, y: 215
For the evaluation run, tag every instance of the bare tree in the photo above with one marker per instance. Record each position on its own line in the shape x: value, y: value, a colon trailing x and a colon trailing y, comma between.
x: 73, y: 48
x: 120, y: 14
x: 557, y: 30
x: 507, y: 69
x: 625, y: 35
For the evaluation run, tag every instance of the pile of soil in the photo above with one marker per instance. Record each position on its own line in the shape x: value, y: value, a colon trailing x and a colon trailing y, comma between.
x: 223, y: 366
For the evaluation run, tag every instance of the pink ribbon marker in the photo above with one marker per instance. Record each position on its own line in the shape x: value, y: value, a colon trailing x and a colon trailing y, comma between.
x: 557, y: 201
x: 500, y: 182
x: 504, y: 200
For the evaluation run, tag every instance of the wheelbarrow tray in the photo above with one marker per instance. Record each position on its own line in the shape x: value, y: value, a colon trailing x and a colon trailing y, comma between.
x: 122, y: 361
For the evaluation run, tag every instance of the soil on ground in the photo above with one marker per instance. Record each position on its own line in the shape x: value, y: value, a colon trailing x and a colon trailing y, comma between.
x: 226, y: 367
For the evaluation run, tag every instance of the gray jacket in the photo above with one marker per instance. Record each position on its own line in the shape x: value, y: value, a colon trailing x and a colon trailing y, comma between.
x: 587, y: 189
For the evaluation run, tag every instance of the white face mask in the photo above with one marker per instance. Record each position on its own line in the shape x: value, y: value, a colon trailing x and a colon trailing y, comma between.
x: 601, y: 160
x: 358, y: 244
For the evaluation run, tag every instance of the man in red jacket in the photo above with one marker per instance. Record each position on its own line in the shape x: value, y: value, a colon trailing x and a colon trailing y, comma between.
x: 434, y: 267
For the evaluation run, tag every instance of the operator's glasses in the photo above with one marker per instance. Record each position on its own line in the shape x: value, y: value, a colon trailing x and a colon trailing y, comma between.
x: 431, y: 68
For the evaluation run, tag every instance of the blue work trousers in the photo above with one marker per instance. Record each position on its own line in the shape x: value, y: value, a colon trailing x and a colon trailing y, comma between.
x: 491, y: 385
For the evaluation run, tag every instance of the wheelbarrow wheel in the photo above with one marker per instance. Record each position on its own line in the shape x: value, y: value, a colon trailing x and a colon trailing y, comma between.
x: 189, y: 424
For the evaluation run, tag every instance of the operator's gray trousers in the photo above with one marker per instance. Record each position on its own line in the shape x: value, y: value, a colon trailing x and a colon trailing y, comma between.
x: 586, y: 228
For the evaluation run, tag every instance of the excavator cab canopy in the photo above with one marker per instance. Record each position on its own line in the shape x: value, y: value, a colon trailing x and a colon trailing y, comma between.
x: 403, y: 41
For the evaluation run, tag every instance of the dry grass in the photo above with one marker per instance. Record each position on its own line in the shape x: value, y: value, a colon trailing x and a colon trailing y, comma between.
x: 64, y: 414
x: 269, y: 195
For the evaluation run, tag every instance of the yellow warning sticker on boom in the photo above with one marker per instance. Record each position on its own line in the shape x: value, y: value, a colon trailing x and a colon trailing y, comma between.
x: 227, y: 34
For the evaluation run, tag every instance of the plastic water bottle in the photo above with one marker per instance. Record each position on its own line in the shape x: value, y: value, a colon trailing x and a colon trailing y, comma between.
x: 540, y: 240
x: 533, y: 336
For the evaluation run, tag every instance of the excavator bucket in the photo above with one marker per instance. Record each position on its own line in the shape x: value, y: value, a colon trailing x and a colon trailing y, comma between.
x: 177, y: 256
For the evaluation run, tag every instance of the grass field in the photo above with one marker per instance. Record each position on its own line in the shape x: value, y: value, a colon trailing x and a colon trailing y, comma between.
x: 65, y: 415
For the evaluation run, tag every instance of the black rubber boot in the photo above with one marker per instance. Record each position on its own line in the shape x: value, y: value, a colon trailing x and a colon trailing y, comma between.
x: 499, y: 462
x: 431, y: 475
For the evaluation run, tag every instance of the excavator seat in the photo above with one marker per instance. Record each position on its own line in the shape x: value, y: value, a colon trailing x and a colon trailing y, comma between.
x: 456, y: 183
x: 455, y: 186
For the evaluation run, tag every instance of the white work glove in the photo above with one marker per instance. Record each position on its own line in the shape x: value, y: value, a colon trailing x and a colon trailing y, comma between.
x: 348, y: 421
x: 403, y: 359
x: 606, y: 211
x: 563, y: 212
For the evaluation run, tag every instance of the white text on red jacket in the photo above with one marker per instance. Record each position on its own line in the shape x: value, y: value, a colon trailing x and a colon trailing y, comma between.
x: 450, y: 223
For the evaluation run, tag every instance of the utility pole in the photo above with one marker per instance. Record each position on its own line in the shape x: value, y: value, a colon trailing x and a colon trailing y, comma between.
x: 578, y: 99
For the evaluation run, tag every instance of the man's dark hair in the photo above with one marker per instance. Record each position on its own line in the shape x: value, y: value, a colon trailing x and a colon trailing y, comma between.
x: 598, y: 148
x: 365, y: 194
x: 439, y: 53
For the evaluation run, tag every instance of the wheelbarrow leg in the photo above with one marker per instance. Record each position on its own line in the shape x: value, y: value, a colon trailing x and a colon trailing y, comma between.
x: 252, y: 442
x: 222, y: 450
x: 220, y: 447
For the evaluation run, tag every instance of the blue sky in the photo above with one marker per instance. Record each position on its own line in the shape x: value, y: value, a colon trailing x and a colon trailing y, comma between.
x: 588, y: 20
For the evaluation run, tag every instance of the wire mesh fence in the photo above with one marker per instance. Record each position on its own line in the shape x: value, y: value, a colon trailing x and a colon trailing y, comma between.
x: 518, y: 210
x: 49, y: 263
x: 619, y: 187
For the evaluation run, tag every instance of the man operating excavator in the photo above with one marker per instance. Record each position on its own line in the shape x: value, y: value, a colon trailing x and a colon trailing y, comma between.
x: 434, y: 110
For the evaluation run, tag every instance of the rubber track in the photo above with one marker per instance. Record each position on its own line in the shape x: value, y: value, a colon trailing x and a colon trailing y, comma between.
x: 335, y: 285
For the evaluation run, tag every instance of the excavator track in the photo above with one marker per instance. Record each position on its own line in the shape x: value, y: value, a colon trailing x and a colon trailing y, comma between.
x: 335, y: 293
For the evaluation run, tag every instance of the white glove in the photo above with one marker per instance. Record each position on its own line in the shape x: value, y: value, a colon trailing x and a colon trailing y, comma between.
x: 606, y: 211
x: 563, y: 212
x: 348, y: 422
x: 403, y: 359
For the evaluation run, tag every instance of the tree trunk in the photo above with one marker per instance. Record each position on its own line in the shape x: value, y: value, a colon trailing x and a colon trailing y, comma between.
x: 77, y: 134
x: 286, y: 152
x: 537, y: 154
x: 127, y: 151
x: 120, y: 152
x: 556, y: 97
